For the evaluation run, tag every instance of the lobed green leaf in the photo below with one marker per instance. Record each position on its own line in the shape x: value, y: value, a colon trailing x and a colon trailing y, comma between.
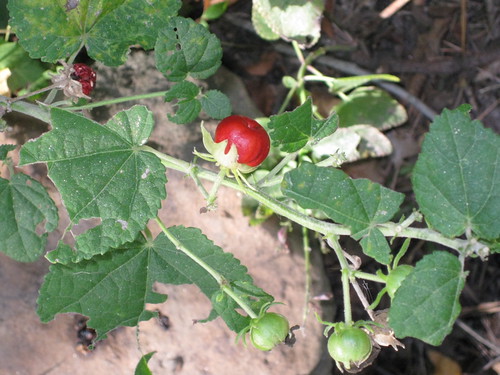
x: 101, y: 172
x: 426, y: 304
x: 359, y: 204
x: 293, y: 130
x: 112, y: 289
x: 188, y: 107
x: 457, y: 176
x: 53, y: 30
x: 185, y: 48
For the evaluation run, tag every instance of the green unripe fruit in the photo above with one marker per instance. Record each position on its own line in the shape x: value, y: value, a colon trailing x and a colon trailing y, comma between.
x: 268, y: 331
x: 349, y: 346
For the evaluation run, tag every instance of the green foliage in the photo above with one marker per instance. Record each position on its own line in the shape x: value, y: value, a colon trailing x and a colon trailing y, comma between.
x: 293, y: 130
x: 216, y: 104
x: 142, y: 367
x: 457, y: 176
x: 50, y: 31
x: 427, y: 303
x: 359, y: 204
x: 188, y: 107
x: 28, y: 214
x: 215, y: 11
x: 26, y: 73
x: 289, y: 19
x: 190, y: 103
x: 112, y: 289
x: 185, y: 48
x: 355, y: 142
x: 101, y: 172
x: 112, y: 185
x: 5, y: 149
x: 371, y: 106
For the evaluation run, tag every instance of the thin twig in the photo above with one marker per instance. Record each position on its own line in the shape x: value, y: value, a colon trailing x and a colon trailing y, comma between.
x: 478, y: 337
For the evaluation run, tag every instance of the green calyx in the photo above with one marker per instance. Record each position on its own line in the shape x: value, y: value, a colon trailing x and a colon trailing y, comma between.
x: 217, y: 151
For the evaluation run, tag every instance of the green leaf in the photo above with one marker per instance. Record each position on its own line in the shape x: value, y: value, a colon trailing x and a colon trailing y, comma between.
x: 375, y: 245
x: 28, y: 213
x: 185, y: 48
x: 50, y: 30
x: 457, y: 176
x: 112, y: 289
x: 261, y: 27
x: 371, y: 106
x: 188, y: 107
x: 426, y: 304
x: 296, y: 20
x: 224, y: 263
x: 356, y: 142
x: 345, y: 84
x: 142, y: 367
x: 216, y: 104
x: 5, y: 149
x: 215, y: 11
x: 25, y: 71
x: 101, y: 172
x: 359, y: 204
x: 293, y: 130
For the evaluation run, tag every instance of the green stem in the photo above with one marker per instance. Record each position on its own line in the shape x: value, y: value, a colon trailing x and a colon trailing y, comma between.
x: 26, y: 108
x: 307, y: 271
x: 217, y: 276
x: 368, y: 276
x: 323, y: 227
x: 346, y: 273
x: 287, y: 99
x: 32, y: 93
x: 215, y: 188
x: 283, y: 163
x: 239, y: 301
x: 117, y: 100
x: 194, y: 176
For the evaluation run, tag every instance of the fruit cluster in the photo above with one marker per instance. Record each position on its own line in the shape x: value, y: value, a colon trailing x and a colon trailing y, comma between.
x: 86, y: 76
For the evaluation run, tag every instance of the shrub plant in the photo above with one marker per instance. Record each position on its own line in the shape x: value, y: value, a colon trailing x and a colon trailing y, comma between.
x: 108, y: 172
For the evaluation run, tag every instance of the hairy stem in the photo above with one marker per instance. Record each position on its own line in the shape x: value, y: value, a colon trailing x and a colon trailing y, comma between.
x: 333, y: 241
x: 320, y: 226
x: 117, y: 100
x: 217, y: 276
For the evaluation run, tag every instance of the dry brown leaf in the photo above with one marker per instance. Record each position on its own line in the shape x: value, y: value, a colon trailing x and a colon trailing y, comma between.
x: 443, y: 365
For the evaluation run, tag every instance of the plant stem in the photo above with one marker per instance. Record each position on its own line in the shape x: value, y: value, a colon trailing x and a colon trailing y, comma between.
x: 117, y: 100
x: 277, y: 168
x: 307, y: 271
x: 323, y: 227
x: 239, y: 301
x: 217, y: 276
x: 333, y: 241
x: 26, y: 108
x: 367, y: 276
x: 215, y: 188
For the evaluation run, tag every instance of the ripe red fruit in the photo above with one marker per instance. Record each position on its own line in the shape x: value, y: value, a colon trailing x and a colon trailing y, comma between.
x: 85, y: 75
x: 249, y: 137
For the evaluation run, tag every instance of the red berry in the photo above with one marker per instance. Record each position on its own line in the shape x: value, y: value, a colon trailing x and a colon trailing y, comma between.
x: 85, y: 75
x: 250, y: 138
